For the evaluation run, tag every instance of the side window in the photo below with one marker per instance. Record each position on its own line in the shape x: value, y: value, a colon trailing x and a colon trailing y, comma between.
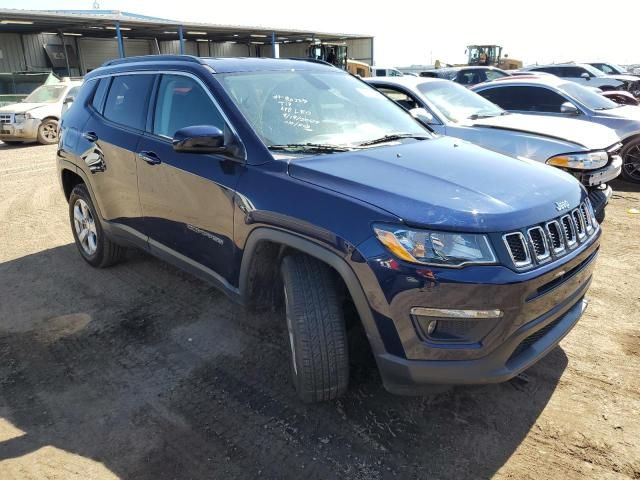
x: 181, y: 102
x: 527, y: 99
x: 471, y: 77
x: 127, y: 100
x: 405, y: 101
x: 575, y: 72
x: 101, y: 92
x: 606, y: 68
x: 381, y: 72
x: 493, y: 74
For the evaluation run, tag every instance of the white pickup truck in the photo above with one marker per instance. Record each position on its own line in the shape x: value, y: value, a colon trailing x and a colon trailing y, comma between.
x: 37, y: 116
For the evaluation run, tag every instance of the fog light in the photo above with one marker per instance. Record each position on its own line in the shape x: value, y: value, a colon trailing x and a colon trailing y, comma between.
x: 431, y: 327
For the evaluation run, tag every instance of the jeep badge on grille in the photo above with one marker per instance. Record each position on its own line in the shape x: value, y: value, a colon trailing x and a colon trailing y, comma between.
x: 563, y: 205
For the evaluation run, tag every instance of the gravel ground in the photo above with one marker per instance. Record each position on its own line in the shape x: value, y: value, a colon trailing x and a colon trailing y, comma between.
x: 141, y: 371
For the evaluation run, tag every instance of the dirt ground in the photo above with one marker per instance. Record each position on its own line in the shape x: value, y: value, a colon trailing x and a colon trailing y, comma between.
x: 143, y: 372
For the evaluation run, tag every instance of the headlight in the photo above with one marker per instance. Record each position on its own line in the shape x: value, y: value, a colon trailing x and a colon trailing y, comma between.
x: 20, y: 118
x: 448, y: 249
x: 582, y: 161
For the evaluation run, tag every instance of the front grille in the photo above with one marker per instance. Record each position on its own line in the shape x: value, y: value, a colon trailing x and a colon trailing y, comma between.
x: 542, y: 243
x: 6, y: 117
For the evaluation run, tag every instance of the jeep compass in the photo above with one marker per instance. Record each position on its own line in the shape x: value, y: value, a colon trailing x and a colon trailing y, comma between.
x: 292, y: 182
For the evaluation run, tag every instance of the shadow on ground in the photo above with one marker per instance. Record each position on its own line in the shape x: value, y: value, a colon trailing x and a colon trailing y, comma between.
x: 156, y: 375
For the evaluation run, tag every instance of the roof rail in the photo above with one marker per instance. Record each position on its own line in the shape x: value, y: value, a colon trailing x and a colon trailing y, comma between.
x: 312, y: 60
x: 153, y: 58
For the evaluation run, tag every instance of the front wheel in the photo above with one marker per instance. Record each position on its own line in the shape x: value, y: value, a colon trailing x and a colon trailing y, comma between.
x: 316, y: 328
x: 94, y: 246
x: 48, y: 132
x: 630, y: 154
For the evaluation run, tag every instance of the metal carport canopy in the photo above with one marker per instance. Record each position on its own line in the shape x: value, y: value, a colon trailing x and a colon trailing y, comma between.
x: 112, y: 23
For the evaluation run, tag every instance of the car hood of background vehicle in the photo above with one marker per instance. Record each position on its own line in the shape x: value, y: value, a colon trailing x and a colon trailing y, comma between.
x: 591, y: 136
x: 20, y: 107
x: 630, y: 112
x: 445, y: 183
x: 622, y: 77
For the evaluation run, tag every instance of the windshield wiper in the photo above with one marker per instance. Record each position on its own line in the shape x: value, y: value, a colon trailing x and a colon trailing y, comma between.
x: 309, y: 147
x: 478, y: 116
x: 394, y: 136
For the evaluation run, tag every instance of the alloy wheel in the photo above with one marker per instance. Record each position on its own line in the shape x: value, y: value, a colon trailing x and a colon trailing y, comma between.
x: 631, y: 163
x: 85, y: 227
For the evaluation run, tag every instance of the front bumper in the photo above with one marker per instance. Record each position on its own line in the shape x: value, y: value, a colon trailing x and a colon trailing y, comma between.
x: 524, y: 348
x: 539, y: 308
x: 602, y: 175
x: 27, y: 130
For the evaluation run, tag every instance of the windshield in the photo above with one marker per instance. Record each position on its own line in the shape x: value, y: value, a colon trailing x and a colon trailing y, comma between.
x: 456, y: 102
x: 316, y: 107
x: 593, y: 70
x: 589, y: 98
x: 46, y: 94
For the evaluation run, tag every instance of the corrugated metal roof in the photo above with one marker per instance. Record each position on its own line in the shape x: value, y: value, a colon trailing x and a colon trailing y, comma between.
x: 84, y: 20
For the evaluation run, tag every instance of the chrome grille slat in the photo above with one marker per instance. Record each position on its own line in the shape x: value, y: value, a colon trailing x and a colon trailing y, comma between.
x: 556, y: 236
x: 581, y: 228
x: 539, y: 244
x: 518, y: 249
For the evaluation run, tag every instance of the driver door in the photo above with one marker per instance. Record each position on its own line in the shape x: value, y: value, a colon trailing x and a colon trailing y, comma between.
x: 186, y: 198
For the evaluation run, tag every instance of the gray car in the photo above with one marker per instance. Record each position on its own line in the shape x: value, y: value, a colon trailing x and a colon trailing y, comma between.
x: 586, y: 150
x: 560, y: 98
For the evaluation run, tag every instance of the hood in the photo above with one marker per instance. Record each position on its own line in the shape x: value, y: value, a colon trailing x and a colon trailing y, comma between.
x: 22, y: 107
x: 445, y: 183
x: 589, y: 135
x: 630, y: 112
x: 623, y: 77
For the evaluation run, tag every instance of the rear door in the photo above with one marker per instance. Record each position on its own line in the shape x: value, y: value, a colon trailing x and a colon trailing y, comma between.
x: 527, y: 99
x: 110, y: 138
x: 187, y: 198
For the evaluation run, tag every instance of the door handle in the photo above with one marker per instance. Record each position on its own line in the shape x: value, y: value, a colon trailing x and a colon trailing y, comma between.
x: 150, y: 157
x: 90, y: 136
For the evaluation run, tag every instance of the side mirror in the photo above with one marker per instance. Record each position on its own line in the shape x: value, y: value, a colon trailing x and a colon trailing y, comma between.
x: 586, y: 76
x: 199, y: 139
x: 422, y: 114
x: 569, y: 108
x: 68, y: 99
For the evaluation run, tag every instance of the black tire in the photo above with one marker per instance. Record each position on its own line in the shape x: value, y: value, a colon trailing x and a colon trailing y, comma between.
x: 601, y: 215
x: 316, y: 328
x: 106, y: 252
x: 630, y: 154
x: 48, y: 132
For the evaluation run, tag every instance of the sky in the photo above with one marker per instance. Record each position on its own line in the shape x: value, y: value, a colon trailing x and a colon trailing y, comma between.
x: 419, y: 32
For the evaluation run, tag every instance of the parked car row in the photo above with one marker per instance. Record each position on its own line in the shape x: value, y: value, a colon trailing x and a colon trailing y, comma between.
x: 289, y: 182
x: 588, y: 151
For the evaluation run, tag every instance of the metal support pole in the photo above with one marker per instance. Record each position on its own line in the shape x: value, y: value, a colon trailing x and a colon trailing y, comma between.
x: 120, y: 41
x: 181, y: 37
x: 66, y: 55
x: 274, y: 46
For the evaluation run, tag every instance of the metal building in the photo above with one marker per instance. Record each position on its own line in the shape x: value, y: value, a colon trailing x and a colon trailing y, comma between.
x: 73, y: 42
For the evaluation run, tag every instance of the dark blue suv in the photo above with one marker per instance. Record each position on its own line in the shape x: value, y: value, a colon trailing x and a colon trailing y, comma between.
x: 293, y: 182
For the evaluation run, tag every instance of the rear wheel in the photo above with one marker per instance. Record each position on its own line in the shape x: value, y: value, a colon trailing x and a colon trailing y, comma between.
x: 48, y: 132
x: 316, y: 329
x: 93, y: 244
x: 631, y: 161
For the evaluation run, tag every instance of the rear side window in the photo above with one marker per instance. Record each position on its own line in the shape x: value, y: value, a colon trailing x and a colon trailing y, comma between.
x: 127, y: 100
x: 182, y: 102
x: 531, y: 99
x: 101, y: 92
